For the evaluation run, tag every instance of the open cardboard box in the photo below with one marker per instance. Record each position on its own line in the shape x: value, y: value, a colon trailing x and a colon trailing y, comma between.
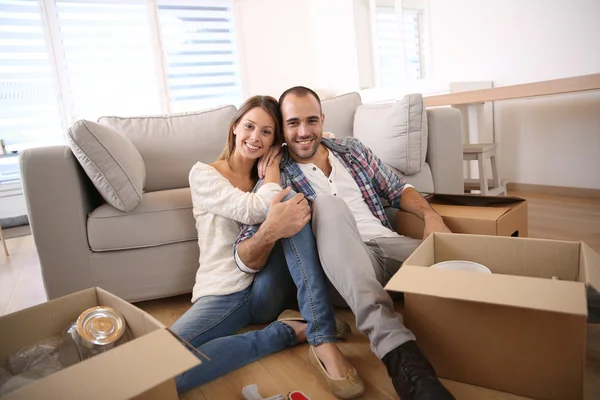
x: 474, y: 214
x: 516, y: 330
x: 142, y: 368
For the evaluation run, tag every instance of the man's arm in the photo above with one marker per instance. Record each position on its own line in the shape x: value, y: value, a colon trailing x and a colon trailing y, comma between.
x: 284, y: 220
x: 395, y: 190
x: 411, y: 201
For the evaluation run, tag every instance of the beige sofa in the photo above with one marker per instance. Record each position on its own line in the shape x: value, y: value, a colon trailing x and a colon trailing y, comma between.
x: 151, y: 251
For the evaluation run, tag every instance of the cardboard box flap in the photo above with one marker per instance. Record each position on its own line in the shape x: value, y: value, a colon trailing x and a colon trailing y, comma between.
x: 590, y: 262
x: 122, y: 373
x: 470, y: 212
x: 504, y: 290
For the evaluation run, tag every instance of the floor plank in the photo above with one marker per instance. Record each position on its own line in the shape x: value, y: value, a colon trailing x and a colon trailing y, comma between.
x: 10, y: 268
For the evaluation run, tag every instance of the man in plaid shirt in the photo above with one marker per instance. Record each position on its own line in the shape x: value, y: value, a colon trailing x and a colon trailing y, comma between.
x: 359, y: 251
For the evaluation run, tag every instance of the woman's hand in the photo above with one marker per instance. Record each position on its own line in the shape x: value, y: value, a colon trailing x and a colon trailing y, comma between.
x: 269, y: 161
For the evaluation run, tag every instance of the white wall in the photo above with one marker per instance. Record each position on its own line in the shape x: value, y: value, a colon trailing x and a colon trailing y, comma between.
x: 552, y: 140
x: 276, y: 49
x: 334, y: 46
x: 287, y: 43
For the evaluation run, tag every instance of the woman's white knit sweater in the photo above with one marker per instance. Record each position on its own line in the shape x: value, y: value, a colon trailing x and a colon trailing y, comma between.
x: 220, y: 209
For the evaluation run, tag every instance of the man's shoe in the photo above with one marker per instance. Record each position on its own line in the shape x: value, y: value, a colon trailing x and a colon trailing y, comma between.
x: 412, y: 375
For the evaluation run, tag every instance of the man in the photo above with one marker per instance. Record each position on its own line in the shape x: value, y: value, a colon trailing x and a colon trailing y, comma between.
x: 358, y: 249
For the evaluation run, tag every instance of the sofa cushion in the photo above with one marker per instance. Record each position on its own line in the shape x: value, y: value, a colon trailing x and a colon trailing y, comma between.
x: 162, y: 217
x: 171, y: 145
x: 396, y: 132
x: 111, y: 161
x: 339, y: 114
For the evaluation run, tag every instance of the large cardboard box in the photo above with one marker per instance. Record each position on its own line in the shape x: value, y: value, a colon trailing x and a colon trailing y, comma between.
x: 480, y: 215
x: 142, y: 368
x: 516, y: 330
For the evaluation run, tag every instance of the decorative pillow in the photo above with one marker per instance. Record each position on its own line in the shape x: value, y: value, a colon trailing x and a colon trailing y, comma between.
x: 111, y: 162
x: 396, y: 132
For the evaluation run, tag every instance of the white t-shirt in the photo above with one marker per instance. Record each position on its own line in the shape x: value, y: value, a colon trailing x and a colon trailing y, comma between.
x: 219, y: 209
x: 340, y: 183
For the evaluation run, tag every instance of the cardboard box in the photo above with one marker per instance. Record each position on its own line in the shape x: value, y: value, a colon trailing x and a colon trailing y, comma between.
x: 516, y: 330
x: 480, y: 215
x: 142, y: 368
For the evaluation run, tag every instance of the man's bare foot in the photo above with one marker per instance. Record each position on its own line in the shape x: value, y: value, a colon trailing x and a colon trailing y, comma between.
x: 334, y: 361
x: 299, y: 328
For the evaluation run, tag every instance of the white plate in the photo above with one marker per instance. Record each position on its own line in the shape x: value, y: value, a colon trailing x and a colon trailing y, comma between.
x: 460, y: 265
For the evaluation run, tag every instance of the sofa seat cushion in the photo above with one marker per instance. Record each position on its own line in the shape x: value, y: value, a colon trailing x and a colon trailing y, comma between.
x: 162, y: 217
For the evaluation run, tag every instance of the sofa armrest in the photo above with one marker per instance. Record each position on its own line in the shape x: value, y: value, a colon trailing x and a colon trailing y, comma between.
x: 59, y: 197
x: 444, y: 149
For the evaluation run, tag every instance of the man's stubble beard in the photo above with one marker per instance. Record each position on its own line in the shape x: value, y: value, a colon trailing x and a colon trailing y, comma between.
x: 312, y: 154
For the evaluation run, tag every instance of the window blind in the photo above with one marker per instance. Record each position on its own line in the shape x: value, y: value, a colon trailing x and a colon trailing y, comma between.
x: 198, y: 44
x: 29, y: 110
x: 62, y: 60
x: 390, y: 47
x: 108, y: 53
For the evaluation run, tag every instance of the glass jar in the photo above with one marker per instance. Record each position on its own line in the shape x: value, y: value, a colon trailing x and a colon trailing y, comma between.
x: 97, y: 330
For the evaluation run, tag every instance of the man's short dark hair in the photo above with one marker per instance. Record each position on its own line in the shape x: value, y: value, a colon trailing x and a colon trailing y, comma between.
x: 300, y: 91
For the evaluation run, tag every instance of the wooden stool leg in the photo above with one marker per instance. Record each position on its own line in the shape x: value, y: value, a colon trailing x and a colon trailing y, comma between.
x: 495, y: 176
x: 483, y: 179
x: 3, y: 242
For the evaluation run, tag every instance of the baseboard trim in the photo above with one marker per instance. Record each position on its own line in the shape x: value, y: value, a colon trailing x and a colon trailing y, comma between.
x: 553, y: 190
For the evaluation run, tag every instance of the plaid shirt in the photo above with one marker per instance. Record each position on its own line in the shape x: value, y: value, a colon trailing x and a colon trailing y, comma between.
x: 375, y: 180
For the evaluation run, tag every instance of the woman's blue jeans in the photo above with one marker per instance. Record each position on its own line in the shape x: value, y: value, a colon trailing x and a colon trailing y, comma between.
x: 211, y: 323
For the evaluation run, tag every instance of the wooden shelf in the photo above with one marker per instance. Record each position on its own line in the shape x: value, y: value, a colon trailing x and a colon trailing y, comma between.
x: 544, y: 88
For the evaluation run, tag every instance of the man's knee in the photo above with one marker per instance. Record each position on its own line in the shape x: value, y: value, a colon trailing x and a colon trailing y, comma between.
x: 328, y: 207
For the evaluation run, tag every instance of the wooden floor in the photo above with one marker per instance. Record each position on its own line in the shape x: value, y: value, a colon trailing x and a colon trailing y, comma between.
x: 552, y: 217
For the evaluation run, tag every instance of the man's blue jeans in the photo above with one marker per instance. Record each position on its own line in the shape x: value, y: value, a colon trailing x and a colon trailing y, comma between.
x: 211, y: 323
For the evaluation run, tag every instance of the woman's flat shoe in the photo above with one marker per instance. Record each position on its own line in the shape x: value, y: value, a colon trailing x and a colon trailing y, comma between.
x: 349, y: 387
x: 342, y: 329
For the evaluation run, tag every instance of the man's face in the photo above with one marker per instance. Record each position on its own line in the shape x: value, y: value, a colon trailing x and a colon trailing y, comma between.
x: 302, y: 126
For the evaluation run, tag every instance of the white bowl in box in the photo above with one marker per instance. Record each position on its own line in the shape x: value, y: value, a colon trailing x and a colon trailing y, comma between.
x: 460, y: 265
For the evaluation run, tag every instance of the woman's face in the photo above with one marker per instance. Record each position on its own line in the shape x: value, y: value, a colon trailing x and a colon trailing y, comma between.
x: 254, y: 133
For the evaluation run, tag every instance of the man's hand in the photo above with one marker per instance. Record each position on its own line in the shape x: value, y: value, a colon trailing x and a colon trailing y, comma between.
x: 270, y: 159
x: 434, y: 223
x: 287, y: 218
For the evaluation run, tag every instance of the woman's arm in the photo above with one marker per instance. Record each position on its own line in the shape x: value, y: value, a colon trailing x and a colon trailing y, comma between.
x: 212, y: 192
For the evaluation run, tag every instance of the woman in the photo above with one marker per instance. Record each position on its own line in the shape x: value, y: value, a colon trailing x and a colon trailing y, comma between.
x: 227, y: 295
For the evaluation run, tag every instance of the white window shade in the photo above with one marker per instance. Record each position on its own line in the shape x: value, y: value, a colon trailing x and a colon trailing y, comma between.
x: 400, y: 46
x: 389, y: 46
x: 199, y: 50
x: 29, y: 108
x: 414, y: 41
x: 109, y: 59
